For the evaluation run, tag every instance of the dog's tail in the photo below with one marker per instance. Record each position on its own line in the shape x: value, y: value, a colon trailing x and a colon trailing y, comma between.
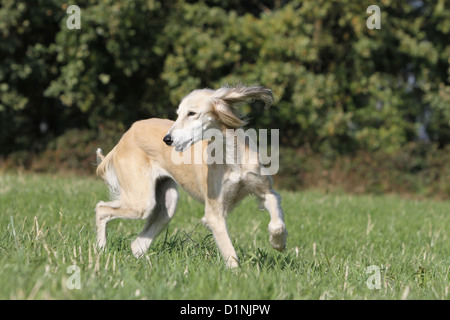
x: 105, y: 170
x: 100, y: 156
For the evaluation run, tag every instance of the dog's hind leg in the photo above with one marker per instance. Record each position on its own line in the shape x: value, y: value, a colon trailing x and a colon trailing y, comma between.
x: 166, y: 201
x: 107, y: 211
x: 136, y: 201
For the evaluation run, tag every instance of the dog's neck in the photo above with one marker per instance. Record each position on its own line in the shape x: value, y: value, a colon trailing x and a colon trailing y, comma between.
x: 238, y: 149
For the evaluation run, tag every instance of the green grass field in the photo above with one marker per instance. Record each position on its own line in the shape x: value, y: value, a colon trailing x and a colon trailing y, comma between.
x: 47, y: 225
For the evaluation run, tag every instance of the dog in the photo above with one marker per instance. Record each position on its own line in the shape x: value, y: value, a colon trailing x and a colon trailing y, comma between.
x: 142, y: 175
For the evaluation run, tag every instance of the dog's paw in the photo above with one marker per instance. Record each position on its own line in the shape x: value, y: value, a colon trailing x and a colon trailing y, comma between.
x: 138, y: 248
x: 101, y: 242
x: 278, y: 236
x: 232, y: 263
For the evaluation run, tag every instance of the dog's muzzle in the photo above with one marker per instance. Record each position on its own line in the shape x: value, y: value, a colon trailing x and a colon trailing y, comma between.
x: 168, y: 140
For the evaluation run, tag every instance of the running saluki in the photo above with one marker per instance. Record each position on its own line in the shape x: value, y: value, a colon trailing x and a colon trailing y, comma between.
x: 142, y: 175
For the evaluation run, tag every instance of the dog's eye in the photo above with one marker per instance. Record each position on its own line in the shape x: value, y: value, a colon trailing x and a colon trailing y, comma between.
x: 191, y: 113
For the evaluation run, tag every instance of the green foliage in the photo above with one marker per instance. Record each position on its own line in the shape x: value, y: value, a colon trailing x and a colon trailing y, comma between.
x: 339, y: 86
x: 73, y: 151
x: 26, y: 68
x: 417, y: 169
x: 108, y: 69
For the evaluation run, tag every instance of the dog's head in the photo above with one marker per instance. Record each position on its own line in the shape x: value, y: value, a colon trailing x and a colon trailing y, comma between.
x: 206, y: 109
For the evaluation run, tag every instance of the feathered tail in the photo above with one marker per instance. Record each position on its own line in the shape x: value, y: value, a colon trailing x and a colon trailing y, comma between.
x: 105, y: 170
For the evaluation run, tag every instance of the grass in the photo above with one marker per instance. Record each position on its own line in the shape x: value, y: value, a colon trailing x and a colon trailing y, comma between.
x: 47, y: 224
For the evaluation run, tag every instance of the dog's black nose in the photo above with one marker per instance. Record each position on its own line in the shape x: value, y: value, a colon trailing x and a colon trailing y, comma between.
x: 168, y: 140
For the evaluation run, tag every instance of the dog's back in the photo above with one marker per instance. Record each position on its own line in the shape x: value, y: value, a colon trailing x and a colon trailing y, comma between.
x: 142, y: 146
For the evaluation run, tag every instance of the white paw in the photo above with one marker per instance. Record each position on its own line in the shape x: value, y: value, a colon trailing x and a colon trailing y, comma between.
x: 101, y: 242
x: 139, y: 247
x: 232, y: 263
x: 278, y: 236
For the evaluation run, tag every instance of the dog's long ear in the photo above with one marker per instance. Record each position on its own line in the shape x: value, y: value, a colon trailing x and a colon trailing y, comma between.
x: 235, y: 95
x: 226, y: 98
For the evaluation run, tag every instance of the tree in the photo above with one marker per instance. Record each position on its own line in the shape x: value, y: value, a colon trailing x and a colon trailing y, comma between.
x: 339, y: 86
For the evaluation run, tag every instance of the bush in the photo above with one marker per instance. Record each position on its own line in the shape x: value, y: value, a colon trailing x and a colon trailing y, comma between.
x: 73, y: 151
x: 416, y: 169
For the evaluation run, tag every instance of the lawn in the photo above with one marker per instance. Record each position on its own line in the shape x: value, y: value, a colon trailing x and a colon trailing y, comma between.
x: 340, y: 246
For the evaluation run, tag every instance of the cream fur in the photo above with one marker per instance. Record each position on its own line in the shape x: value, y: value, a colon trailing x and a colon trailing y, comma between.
x: 143, y: 178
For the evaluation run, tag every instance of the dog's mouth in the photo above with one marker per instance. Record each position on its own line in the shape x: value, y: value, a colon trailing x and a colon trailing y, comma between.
x: 184, y: 146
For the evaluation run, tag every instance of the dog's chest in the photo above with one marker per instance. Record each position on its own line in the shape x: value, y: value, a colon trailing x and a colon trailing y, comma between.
x: 232, y: 188
x: 236, y: 186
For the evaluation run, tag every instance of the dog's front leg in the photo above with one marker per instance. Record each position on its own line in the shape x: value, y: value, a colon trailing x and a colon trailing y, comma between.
x: 277, y: 228
x: 215, y: 220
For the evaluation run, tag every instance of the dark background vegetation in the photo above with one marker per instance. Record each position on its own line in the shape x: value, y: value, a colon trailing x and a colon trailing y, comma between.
x: 358, y: 110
